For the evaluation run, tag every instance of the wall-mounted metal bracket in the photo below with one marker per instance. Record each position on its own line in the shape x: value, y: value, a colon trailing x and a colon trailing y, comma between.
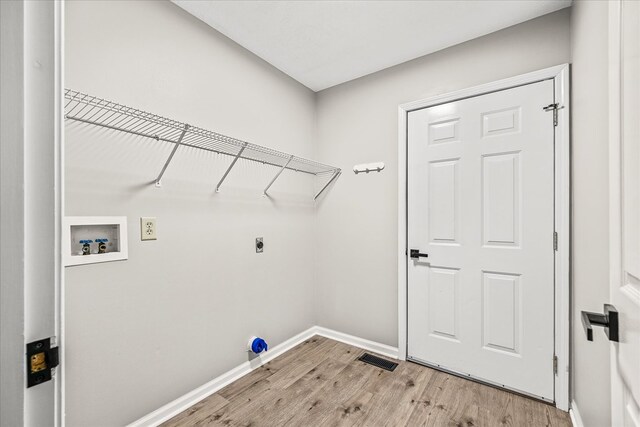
x: 175, y: 148
x: 609, y: 320
x: 333, y: 177
x: 554, y: 108
x: 233, y: 162
x: 41, y: 359
x: 277, y: 175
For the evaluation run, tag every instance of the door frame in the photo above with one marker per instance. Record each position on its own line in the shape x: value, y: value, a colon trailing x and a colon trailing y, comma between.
x: 562, y: 194
x: 34, y: 204
x: 615, y: 183
x: 615, y: 186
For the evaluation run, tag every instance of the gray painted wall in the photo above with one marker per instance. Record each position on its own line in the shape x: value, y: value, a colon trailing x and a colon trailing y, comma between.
x: 179, y: 312
x: 590, y: 186
x: 357, y: 267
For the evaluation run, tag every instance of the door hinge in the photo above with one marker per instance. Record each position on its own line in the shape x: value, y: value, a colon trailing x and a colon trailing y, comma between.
x: 554, y: 107
x: 555, y: 365
x: 42, y: 358
x: 555, y: 240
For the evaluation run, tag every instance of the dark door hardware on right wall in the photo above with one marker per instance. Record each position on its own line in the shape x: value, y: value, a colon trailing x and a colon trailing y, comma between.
x: 609, y: 320
x: 415, y: 254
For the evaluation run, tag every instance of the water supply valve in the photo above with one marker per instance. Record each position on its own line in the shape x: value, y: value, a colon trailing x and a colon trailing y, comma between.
x: 86, y: 246
x: 102, y: 245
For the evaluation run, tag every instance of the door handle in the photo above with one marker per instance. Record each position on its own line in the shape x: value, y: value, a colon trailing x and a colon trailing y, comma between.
x: 415, y: 254
x: 608, y: 320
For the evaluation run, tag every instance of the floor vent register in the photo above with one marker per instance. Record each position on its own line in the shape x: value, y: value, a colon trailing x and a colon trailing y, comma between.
x: 378, y: 361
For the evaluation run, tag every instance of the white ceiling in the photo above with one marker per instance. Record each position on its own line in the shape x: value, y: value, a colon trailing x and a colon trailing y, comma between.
x: 324, y: 43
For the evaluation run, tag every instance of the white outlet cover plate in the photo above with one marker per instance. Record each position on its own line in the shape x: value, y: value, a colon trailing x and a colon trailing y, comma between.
x: 148, y: 230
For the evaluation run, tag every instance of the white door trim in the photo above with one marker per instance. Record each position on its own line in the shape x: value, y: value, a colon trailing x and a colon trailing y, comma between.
x: 615, y: 181
x: 616, y: 194
x: 32, y: 201
x: 60, y: 210
x: 560, y: 76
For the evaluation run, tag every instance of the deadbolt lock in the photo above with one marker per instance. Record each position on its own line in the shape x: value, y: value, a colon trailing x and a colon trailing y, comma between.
x: 38, y: 362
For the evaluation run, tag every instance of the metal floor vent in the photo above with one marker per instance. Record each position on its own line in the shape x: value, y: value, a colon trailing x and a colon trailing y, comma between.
x: 378, y: 361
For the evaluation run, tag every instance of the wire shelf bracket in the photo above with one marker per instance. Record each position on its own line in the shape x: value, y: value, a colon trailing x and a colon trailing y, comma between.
x: 333, y: 178
x: 264, y: 192
x: 87, y: 109
x: 175, y: 148
x: 233, y: 163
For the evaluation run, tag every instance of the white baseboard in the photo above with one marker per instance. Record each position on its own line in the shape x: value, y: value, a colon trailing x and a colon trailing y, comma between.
x: 173, y: 408
x: 376, y: 347
x: 576, y: 419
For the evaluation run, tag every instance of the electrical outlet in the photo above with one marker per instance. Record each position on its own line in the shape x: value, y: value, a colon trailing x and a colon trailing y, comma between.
x: 148, y: 228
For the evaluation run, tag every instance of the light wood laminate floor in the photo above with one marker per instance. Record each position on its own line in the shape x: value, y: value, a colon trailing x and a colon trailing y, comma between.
x: 320, y: 383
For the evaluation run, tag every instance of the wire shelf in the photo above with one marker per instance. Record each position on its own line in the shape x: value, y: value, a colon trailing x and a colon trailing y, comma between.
x: 89, y: 109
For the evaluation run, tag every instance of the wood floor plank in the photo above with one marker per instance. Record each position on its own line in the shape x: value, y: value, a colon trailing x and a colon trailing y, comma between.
x: 300, y: 395
x: 330, y: 402
x: 244, y: 401
x: 427, y: 408
x: 354, y: 410
x: 246, y: 382
x: 346, y: 353
x: 321, y: 383
x: 474, y: 413
x: 256, y: 408
x: 285, y: 377
x: 389, y: 386
x: 200, y: 414
x: 315, y: 347
x: 400, y: 400
x: 458, y: 399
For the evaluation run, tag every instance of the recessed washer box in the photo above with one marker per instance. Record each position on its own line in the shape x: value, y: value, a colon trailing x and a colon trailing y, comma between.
x: 79, y: 231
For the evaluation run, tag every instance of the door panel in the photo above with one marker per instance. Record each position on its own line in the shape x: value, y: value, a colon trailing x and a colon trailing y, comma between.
x: 501, y: 122
x: 501, y: 313
x: 444, y: 193
x: 443, y: 290
x: 501, y: 199
x: 481, y: 204
x: 444, y: 131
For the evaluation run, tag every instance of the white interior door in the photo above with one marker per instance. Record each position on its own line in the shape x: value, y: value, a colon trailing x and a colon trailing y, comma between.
x: 625, y: 212
x: 481, y: 205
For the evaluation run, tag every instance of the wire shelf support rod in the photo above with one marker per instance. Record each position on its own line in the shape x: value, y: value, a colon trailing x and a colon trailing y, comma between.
x: 233, y: 163
x: 333, y: 177
x: 175, y: 148
x: 264, y: 193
